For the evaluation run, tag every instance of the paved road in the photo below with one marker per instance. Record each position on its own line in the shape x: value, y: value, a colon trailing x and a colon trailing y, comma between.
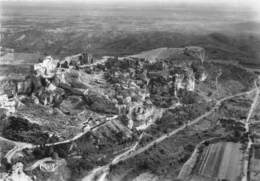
x: 101, y: 172
x: 82, y: 133
x: 19, y: 146
x: 163, y: 137
x: 249, y: 144
x: 131, y: 152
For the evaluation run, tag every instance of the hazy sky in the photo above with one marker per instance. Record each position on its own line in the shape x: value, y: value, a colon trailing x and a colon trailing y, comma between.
x: 244, y: 2
x: 252, y: 4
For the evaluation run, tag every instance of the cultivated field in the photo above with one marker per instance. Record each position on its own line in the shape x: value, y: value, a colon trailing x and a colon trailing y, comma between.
x: 255, y: 164
x: 221, y: 160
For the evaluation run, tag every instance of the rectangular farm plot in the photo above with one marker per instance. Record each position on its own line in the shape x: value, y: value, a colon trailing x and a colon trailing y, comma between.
x: 221, y: 160
x: 255, y: 164
x: 255, y: 129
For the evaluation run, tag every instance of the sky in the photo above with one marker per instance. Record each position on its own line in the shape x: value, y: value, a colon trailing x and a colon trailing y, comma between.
x: 244, y: 2
x: 252, y: 4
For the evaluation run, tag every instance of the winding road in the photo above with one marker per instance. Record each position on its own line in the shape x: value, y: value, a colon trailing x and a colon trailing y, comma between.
x: 102, y: 172
x: 249, y: 144
x: 19, y: 146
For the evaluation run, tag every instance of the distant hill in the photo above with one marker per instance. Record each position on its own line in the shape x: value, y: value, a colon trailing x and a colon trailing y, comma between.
x: 243, y: 48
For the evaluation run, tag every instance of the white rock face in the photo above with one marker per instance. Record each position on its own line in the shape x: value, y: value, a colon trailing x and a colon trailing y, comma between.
x: 47, y: 68
x: 179, y: 81
x: 185, y: 80
x: 51, y: 87
x: 191, y: 83
x: 203, y: 77
x: 130, y: 124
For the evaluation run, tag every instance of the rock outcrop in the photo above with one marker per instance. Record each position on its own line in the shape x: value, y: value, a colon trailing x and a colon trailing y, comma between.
x: 47, y: 68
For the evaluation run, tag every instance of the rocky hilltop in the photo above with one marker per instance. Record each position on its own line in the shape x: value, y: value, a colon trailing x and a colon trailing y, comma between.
x: 63, y: 118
